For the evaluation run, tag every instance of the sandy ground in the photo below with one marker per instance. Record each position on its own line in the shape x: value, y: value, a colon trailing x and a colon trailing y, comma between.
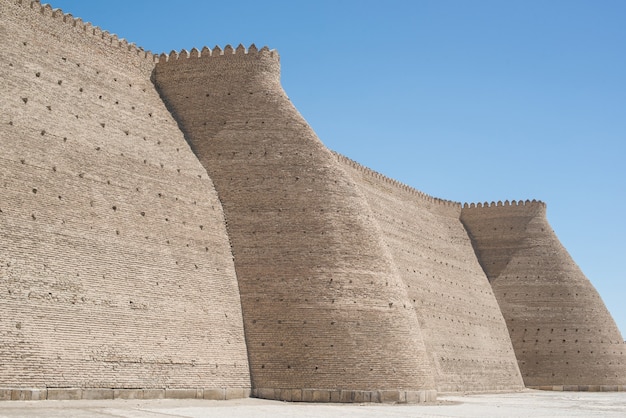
x: 533, y: 404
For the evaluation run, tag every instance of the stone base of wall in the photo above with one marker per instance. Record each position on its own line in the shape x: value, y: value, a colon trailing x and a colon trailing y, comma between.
x: 108, y: 393
x: 582, y: 388
x: 346, y: 396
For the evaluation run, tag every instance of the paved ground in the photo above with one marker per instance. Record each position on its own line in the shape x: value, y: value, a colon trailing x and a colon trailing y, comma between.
x: 535, y: 404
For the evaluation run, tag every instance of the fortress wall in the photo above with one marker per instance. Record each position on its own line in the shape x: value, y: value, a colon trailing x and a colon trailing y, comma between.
x: 464, y: 331
x: 115, y: 265
x: 562, y: 333
x: 326, y: 315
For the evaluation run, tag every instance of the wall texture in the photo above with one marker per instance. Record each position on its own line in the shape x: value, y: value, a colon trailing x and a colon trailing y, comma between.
x: 464, y: 331
x: 112, y: 275
x: 324, y: 306
x: 289, y: 273
x: 562, y: 333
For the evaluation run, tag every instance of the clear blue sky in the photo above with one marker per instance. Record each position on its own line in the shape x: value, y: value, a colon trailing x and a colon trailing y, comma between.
x: 469, y: 101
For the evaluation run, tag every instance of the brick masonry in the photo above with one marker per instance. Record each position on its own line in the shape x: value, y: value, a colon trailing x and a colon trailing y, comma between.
x: 562, y: 333
x: 170, y: 226
x: 464, y: 331
x: 115, y: 265
x: 322, y: 301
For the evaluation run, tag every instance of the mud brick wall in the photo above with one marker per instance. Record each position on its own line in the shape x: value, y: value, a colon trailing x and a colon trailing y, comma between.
x: 171, y: 226
x: 115, y: 265
x: 464, y: 331
x: 323, y: 305
x: 561, y: 331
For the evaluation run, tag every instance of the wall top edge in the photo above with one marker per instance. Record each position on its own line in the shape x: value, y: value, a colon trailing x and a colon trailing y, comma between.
x: 506, y: 203
x: 91, y: 30
x: 394, y: 182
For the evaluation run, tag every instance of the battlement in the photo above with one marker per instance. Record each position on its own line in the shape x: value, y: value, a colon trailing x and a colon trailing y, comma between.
x: 239, y: 52
x: 526, y: 206
x: 395, y: 183
x: 506, y: 203
x: 86, y: 27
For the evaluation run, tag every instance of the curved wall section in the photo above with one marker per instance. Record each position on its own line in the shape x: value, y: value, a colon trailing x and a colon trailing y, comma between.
x: 562, y: 333
x: 115, y: 267
x: 326, y: 315
x: 463, y: 328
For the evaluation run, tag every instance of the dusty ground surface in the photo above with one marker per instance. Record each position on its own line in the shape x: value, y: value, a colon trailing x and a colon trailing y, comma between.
x: 533, y: 404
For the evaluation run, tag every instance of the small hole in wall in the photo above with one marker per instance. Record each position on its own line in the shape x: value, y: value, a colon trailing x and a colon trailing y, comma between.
x: 80, y: 89
x: 37, y: 74
x: 60, y: 82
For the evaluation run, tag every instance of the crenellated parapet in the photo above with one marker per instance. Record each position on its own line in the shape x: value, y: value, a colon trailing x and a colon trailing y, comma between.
x: 395, y: 183
x: 515, y: 208
x: 231, y: 75
x: 227, y: 52
x: 89, y: 29
x: 506, y: 204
